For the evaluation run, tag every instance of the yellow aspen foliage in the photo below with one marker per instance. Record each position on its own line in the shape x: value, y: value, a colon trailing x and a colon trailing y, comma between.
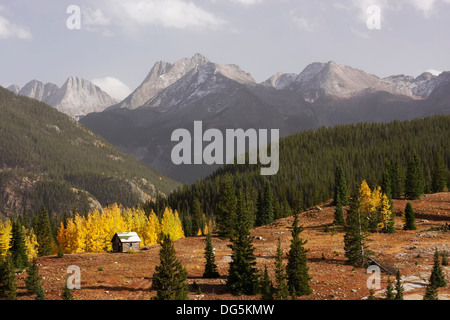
x: 376, y: 199
x: 152, y: 230
x: 31, y: 243
x: 136, y: 221
x: 171, y: 225
x: 385, y: 214
x: 97, y: 235
x: 62, y: 238
x: 5, y: 237
x: 94, y: 232
x: 365, y: 197
x: 80, y: 236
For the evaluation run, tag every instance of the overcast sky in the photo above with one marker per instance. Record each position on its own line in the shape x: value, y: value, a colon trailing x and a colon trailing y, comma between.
x: 119, y: 40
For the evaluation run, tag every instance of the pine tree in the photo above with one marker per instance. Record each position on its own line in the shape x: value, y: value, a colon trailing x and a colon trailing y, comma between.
x: 8, y: 281
x: 67, y: 293
x: 242, y: 276
x: 226, y: 208
x: 40, y: 294
x: 44, y: 233
x: 297, y: 267
x: 265, y: 213
x: 399, y: 287
x: 198, y: 218
x: 410, y: 218
x: 397, y: 180
x: 33, y: 280
x: 414, y: 184
x: 355, y: 237
x: 169, y: 279
x: 437, y: 277
x: 439, y: 176
x: 282, y: 288
x: 386, y: 184
x: 266, y: 286
x: 444, y: 258
x: 340, y: 187
x: 339, y: 219
x: 210, y: 265
x: 389, y: 290
x: 431, y: 293
x: 19, y: 258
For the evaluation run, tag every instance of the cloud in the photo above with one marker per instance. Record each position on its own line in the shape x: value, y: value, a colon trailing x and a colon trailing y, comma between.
x: 112, y: 86
x: 302, y: 23
x: 11, y: 30
x: 248, y: 2
x: 134, y: 14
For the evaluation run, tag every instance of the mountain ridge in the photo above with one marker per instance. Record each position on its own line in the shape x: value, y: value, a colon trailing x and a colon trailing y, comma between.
x: 77, y: 97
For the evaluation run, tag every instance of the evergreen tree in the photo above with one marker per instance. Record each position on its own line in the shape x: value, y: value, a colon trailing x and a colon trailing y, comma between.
x: 266, y: 286
x: 242, y: 277
x: 40, y: 294
x: 444, y: 258
x: 297, y: 267
x: 44, y: 234
x: 67, y: 293
x: 19, y: 258
x: 399, y: 287
x: 282, y: 288
x: 397, y: 180
x: 355, y: 237
x: 265, y: 213
x: 8, y: 281
x: 439, y: 176
x: 386, y: 183
x: 198, y: 218
x: 389, y: 290
x: 210, y: 265
x: 437, y: 277
x: 226, y: 208
x: 340, y: 187
x: 410, y: 217
x: 33, y: 280
x: 431, y: 293
x: 169, y: 279
x: 339, y: 219
x: 414, y: 184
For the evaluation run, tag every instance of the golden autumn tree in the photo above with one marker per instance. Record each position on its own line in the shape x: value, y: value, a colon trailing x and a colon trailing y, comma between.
x: 152, y: 230
x: 5, y: 237
x: 31, y: 243
x: 387, y: 216
x: 171, y: 225
x: 374, y: 208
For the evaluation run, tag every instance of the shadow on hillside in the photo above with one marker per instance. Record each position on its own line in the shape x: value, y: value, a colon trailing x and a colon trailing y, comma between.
x: 207, y: 288
x: 432, y: 217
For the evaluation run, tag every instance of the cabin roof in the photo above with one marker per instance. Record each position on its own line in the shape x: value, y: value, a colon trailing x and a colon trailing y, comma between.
x: 125, y: 237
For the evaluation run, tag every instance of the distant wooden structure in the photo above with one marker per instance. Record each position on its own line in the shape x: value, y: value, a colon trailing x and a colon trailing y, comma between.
x: 126, y: 241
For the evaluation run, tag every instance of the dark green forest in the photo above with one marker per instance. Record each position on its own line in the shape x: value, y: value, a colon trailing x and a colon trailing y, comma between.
x: 48, y: 159
x: 308, y: 161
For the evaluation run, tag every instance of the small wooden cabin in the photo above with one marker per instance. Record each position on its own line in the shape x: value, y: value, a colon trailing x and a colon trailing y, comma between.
x: 126, y: 241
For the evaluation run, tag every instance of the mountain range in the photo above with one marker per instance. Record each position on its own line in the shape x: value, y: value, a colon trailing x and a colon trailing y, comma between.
x: 76, y: 98
x: 174, y: 95
x: 48, y: 158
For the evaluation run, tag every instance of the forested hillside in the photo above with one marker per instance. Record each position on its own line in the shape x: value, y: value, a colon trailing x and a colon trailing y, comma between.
x: 308, y: 163
x: 48, y: 159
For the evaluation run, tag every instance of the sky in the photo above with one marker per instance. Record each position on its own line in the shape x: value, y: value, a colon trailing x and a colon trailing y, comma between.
x: 115, y: 43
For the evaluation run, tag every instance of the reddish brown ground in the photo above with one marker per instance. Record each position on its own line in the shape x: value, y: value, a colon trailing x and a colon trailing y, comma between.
x: 128, y: 276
